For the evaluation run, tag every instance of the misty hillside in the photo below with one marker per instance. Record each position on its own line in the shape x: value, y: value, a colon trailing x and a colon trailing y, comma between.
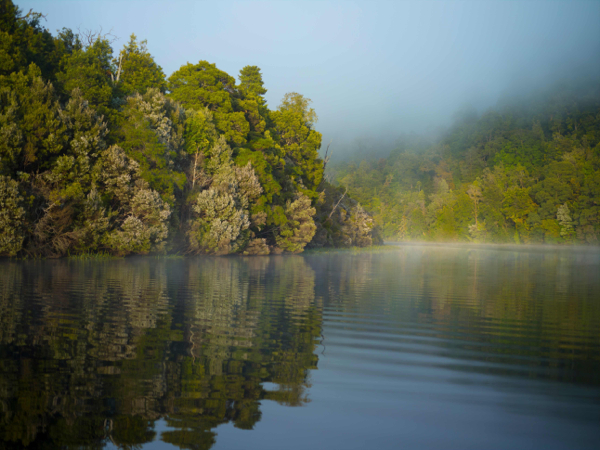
x: 527, y: 171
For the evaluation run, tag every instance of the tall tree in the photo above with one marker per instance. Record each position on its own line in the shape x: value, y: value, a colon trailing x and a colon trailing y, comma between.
x: 201, y: 85
x: 252, y: 102
x: 251, y: 80
x: 91, y: 70
x: 23, y: 41
x: 152, y: 133
x: 293, y: 123
x: 136, y: 70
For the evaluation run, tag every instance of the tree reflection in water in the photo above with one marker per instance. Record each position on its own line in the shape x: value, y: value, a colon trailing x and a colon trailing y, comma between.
x: 98, y: 352
x: 92, y: 352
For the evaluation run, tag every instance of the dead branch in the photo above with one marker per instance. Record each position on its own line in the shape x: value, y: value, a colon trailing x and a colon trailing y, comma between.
x: 336, y: 205
x: 89, y: 37
x: 112, y: 75
x: 325, y: 161
x: 327, y: 156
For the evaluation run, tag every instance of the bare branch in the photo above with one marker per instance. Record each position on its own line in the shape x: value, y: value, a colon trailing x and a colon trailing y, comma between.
x: 89, y: 37
x: 327, y: 156
x: 120, y: 61
x: 336, y: 205
x: 325, y: 161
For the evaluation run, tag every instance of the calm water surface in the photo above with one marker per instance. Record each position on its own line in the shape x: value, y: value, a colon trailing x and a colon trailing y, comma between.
x: 416, y: 347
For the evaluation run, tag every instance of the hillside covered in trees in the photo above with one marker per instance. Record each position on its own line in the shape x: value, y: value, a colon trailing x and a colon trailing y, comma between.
x: 527, y: 171
x: 101, y: 152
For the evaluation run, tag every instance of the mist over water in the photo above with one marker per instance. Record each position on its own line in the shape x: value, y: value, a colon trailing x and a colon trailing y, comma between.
x: 374, y: 70
x: 432, y: 346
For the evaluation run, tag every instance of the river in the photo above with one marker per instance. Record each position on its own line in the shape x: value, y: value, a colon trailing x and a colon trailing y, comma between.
x: 412, y: 346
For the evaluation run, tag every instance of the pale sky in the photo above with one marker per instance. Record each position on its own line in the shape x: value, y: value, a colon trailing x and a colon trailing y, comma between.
x: 375, y: 68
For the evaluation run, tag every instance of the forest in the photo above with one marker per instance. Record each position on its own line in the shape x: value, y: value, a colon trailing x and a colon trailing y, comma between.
x: 526, y: 171
x: 102, y: 153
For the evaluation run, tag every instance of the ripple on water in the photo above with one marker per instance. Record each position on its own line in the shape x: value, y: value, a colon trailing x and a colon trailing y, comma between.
x: 427, y: 347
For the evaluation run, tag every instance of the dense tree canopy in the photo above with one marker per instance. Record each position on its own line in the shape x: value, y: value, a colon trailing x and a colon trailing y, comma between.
x: 527, y: 172
x: 136, y: 69
x: 99, y: 152
x: 23, y: 41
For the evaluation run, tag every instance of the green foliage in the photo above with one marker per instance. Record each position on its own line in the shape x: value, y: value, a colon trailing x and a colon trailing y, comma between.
x: 520, y: 174
x: 263, y: 170
x: 203, y: 85
x: 139, y: 223
x: 299, y: 143
x: 67, y: 42
x: 32, y: 130
x: 136, y: 69
x: 78, y: 195
x: 11, y: 217
x: 99, y: 154
x: 299, y: 227
x: 252, y: 102
x: 342, y: 222
x: 221, y: 221
x: 251, y: 80
x: 566, y: 223
x: 200, y: 136
x: 90, y: 70
x: 152, y: 133
x: 200, y: 132
x: 145, y: 227
x: 73, y: 218
x: 297, y: 103
x: 23, y: 42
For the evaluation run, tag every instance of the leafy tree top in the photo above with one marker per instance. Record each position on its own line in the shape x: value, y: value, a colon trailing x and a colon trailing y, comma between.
x: 138, y: 70
x: 294, y: 102
x: 198, y: 85
x: 251, y: 80
x: 23, y: 41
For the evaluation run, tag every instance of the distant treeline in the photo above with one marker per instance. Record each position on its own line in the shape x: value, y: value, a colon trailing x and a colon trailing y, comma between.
x: 101, y: 153
x: 526, y: 172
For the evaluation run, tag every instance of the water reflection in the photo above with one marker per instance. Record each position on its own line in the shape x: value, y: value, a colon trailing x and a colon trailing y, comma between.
x: 127, y: 352
x: 97, y: 352
x: 530, y: 312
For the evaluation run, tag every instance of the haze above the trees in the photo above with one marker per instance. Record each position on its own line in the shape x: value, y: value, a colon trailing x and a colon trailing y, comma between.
x: 374, y: 69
